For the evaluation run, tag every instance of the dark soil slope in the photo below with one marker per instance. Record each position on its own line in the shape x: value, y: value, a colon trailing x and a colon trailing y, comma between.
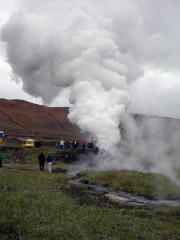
x: 21, y: 118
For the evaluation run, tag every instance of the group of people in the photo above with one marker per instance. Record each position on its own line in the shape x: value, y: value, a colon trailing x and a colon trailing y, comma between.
x: 42, y: 159
x: 61, y: 143
x: 73, y: 144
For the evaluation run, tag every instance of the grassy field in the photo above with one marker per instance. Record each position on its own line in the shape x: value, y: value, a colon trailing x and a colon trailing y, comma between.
x: 153, y: 186
x: 33, y: 205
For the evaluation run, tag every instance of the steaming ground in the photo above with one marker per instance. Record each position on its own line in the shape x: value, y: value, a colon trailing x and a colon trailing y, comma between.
x: 96, y: 49
x: 148, y: 144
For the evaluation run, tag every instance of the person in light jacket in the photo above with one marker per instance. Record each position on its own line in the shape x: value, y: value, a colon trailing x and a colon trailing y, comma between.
x: 49, y: 161
x: 62, y: 143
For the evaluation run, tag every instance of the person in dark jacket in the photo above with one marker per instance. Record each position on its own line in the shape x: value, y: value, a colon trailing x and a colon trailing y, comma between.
x: 42, y: 159
x: 49, y: 161
x: 1, y: 159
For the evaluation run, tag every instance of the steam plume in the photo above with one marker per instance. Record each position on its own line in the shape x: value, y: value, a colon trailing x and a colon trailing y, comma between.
x: 95, y: 48
x: 77, y: 49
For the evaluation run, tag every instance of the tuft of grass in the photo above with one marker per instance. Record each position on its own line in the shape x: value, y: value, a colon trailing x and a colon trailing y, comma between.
x: 153, y: 186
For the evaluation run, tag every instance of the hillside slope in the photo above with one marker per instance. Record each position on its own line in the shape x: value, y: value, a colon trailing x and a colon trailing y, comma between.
x: 21, y: 118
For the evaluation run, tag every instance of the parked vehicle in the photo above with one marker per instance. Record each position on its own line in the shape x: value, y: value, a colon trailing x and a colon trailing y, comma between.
x: 2, y: 137
x: 29, y: 143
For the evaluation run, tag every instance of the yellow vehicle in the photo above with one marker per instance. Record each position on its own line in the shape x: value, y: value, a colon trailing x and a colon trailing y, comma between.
x: 2, y: 137
x: 29, y: 143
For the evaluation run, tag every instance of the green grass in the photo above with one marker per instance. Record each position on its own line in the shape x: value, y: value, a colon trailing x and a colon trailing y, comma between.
x: 33, y: 206
x: 145, y: 184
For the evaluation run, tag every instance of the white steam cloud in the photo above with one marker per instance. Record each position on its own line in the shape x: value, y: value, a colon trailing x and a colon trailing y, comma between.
x: 94, y: 48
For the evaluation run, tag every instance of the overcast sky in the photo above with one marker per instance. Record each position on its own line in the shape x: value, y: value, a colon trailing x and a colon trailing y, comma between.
x: 157, y: 91
x: 8, y: 88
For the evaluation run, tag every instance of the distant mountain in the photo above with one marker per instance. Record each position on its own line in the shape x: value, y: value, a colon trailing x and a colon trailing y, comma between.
x: 22, y: 118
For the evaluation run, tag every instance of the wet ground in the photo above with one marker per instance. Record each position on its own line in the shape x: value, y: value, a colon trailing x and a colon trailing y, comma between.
x: 123, y: 198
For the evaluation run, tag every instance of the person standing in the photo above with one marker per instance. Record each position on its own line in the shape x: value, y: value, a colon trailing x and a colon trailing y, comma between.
x: 84, y: 144
x: 42, y: 159
x: 49, y: 161
x: 76, y: 144
x: 57, y: 143
x: 1, y: 159
x: 62, y: 143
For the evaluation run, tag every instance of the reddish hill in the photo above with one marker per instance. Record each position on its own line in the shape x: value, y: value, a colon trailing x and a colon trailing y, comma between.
x: 21, y: 118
